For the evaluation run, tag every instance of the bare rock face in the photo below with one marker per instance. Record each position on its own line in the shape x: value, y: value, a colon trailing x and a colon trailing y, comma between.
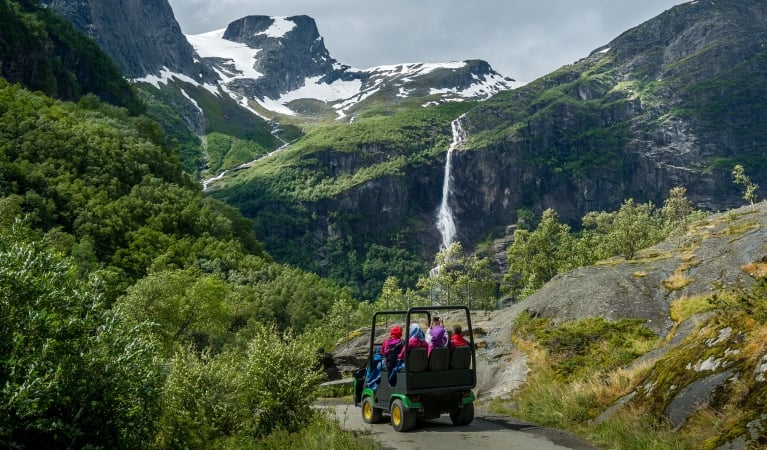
x: 286, y: 58
x: 708, y: 256
x: 141, y: 36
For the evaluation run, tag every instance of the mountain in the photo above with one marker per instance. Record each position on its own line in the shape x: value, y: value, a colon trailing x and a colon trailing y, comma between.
x: 281, y: 65
x: 43, y: 52
x: 676, y: 101
x: 237, y: 94
x: 141, y: 36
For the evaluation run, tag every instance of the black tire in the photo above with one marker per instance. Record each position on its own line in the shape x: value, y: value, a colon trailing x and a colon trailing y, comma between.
x: 463, y: 416
x: 370, y: 414
x: 402, y: 419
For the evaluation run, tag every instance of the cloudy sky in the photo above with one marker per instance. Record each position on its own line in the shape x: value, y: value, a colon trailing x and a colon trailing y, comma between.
x: 523, y: 39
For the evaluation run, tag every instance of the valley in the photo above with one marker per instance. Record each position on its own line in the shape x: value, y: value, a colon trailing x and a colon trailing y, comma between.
x: 196, y: 229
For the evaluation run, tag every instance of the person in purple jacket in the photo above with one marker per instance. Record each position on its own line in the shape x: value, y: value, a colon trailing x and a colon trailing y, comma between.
x: 437, y: 335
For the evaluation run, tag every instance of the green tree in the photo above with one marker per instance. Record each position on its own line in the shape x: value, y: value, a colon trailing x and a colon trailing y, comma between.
x: 536, y: 256
x: 187, y: 306
x: 623, y: 232
x: 459, y: 280
x: 72, y: 373
x: 749, y: 187
x: 677, y: 207
x: 391, y: 296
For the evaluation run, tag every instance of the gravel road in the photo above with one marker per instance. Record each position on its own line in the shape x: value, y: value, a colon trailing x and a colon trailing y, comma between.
x: 488, y: 431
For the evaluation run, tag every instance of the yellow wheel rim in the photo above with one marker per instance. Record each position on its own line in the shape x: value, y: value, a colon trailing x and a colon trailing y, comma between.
x: 367, y: 410
x: 396, y: 416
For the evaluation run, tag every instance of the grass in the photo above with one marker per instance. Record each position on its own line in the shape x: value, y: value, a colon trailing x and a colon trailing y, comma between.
x: 606, y: 372
x: 676, y: 281
x: 323, y: 433
x: 634, y: 429
x: 685, y: 307
x: 755, y: 269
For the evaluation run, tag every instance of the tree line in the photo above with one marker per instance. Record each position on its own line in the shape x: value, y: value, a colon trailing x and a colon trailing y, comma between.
x: 134, y: 311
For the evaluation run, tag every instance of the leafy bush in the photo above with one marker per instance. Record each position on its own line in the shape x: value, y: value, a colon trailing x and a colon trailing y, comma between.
x: 269, y: 386
x: 72, y: 374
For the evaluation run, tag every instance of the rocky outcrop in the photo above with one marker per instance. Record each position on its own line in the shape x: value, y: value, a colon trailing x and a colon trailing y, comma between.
x: 286, y: 57
x: 141, y: 36
x: 711, y: 254
x: 702, y: 362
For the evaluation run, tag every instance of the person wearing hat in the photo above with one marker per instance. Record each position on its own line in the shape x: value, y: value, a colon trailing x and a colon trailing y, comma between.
x: 394, y: 341
x: 416, y: 339
x: 390, y: 351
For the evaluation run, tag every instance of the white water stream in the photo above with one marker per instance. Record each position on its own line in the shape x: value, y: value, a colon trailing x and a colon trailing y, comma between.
x: 206, y: 183
x: 445, y: 221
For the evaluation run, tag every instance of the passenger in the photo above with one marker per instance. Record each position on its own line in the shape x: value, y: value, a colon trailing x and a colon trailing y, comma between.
x: 435, y: 321
x: 390, y: 350
x: 416, y: 339
x: 393, y: 344
x: 438, y: 334
x: 457, y: 339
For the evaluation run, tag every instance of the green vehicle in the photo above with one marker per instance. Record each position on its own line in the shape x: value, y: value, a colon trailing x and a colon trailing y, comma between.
x: 420, y: 386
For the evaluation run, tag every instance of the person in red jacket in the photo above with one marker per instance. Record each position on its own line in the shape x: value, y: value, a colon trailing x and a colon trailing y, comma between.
x: 457, y: 339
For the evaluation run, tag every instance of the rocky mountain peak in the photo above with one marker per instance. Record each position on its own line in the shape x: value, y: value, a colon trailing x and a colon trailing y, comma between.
x: 290, y: 50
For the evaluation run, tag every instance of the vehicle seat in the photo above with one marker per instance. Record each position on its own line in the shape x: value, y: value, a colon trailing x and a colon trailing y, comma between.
x: 461, y: 358
x: 439, y: 358
x: 417, y: 361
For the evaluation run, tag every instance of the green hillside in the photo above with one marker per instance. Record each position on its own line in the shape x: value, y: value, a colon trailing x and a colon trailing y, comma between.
x: 328, y: 163
x: 44, y: 52
x: 125, y: 293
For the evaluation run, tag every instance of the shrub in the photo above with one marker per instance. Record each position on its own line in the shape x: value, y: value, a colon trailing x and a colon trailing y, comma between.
x: 71, y: 374
x: 211, y: 399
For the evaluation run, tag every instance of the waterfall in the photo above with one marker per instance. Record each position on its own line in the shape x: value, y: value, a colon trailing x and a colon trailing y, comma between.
x: 445, y: 222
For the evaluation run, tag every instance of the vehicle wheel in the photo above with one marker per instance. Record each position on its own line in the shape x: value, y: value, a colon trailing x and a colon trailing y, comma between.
x: 402, y: 419
x: 463, y: 416
x: 370, y: 414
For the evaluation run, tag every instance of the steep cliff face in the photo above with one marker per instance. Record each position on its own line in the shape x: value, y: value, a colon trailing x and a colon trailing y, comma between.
x: 44, y: 52
x: 677, y: 101
x: 141, y: 36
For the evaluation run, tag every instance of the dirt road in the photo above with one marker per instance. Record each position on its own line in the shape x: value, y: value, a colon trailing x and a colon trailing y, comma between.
x: 488, y: 431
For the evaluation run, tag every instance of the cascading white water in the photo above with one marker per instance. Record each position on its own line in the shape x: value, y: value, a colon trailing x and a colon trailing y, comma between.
x: 445, y: 221
x: 206, y: 183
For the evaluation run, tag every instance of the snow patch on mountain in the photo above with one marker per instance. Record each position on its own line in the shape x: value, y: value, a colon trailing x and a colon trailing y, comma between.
x: 410, y: 71
x: 278, y: 29
x: 241, y: 57
x: 277, y: 82
x: 166, y: 76
x: 484, y: 87
x: 316, y: 89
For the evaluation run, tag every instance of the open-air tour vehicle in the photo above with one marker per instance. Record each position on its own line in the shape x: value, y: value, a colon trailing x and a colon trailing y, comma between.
x: 419, y: 386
